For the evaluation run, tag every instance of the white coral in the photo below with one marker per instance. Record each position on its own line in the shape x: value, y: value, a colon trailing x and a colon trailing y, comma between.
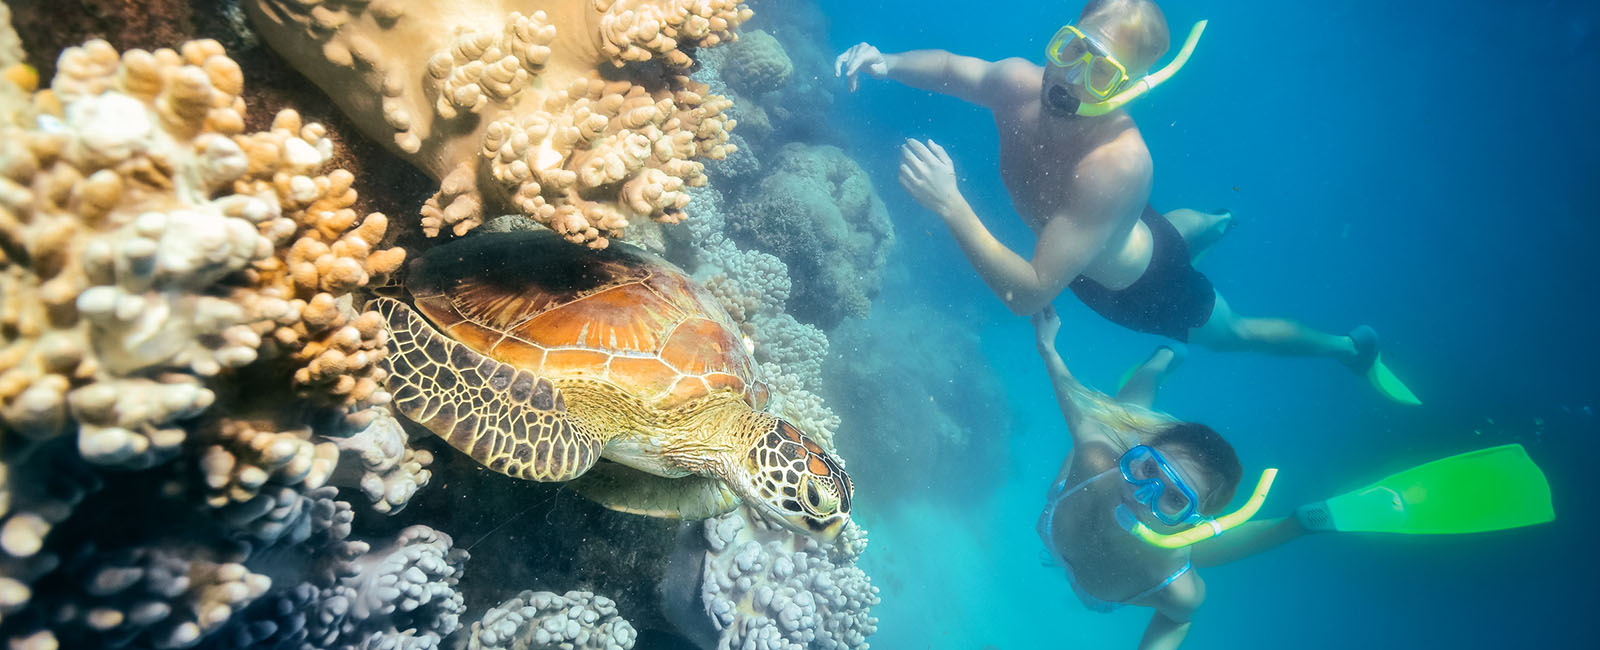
x: 767, y: 588
x: 577, y: 620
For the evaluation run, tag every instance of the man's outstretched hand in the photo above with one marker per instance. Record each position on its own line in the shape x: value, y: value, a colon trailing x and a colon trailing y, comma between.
x: 858, y: 58
x: 927, y: 173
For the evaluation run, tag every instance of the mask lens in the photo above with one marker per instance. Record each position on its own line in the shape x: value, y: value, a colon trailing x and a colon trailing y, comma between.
x: 1067, y: 48
x: 1104, y: 77
x: 1173, y: 503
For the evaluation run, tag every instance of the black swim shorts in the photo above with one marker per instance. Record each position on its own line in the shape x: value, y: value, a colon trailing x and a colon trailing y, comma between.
x: 1171, y: 297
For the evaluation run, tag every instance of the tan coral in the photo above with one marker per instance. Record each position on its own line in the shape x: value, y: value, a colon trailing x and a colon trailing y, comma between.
x: 244, y: 458
x: 575, y: 113
x: 148, y: 246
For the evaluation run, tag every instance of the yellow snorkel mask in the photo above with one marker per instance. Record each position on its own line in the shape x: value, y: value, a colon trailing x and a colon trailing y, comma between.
x: 1085, y: 61
x: 1206, y: 528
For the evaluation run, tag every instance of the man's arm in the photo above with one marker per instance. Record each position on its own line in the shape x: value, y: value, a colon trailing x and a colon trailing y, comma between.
x: 1109, y: 190
x: 969, y: 79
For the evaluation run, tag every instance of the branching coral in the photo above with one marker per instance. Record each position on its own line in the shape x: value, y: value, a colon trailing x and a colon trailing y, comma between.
x: 577, y: 114
x: 767, y: 588
x: 578, y: 620
x: 817, y: 211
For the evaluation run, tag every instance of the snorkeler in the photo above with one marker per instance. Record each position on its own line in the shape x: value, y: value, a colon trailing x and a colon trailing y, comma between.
x: 1134, y: 508
x: 1079, y: 173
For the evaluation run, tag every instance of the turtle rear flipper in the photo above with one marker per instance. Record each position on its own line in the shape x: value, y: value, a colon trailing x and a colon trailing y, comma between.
x: 625, y: 489
x: 508, y: 419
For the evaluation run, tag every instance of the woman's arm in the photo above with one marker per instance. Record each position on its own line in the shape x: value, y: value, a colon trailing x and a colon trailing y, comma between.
x: 1067, y: 388
x: 1175, y: 607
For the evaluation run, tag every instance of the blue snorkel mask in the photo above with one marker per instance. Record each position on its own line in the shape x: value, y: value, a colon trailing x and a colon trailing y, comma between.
x: 1158, y: 485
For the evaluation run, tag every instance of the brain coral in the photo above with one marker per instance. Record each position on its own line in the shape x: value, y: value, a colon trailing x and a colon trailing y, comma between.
x: 577, y: 114
x: 817, y: 211
x: 756, y: 64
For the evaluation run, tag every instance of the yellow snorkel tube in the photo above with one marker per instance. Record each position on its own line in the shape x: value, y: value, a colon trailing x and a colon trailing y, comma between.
x: 1211, y: 527
x: 1149, y: 81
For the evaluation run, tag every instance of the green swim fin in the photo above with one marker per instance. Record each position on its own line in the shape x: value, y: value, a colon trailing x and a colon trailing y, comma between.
x: 1389, y: 385
x: 1489, y: 489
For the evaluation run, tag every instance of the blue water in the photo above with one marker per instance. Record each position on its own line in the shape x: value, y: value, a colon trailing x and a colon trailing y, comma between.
x: 1428, y: 168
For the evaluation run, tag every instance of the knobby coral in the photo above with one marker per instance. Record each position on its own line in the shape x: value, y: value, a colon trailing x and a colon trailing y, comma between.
x: 754, y: 287
x: 169, y: 283
x: 149, y: 245
x: 577, y: 620
x: 766, y: 588
x: 578, y: 114
x: 817, y: 211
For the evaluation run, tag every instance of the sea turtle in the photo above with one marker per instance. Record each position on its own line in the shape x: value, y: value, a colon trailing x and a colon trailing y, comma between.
x: 553, y: 362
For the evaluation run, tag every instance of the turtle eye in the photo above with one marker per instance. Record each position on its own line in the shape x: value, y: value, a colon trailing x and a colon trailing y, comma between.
x: 819, y: 501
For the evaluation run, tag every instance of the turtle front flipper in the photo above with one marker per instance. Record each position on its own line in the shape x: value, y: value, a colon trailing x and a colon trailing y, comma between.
x: 508, y: 419
x: 625, y: 489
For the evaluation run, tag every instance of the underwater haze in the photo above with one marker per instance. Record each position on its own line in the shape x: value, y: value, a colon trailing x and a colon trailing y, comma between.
x: 1383, y: 168
x: 593, y: 325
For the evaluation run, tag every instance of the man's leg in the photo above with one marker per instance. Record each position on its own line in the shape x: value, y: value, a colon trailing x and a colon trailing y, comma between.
x: 1200, y: 230
x: 1141, y: 386
x: 1227, y: 331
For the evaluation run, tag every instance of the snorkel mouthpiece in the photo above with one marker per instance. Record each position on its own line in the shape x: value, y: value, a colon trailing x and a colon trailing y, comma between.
x: 1210, y: 528
x: 1149, y: 81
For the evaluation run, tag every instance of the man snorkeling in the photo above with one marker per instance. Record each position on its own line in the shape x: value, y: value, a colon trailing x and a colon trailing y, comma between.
x: 1079, y: 173
x: 1135, y: 507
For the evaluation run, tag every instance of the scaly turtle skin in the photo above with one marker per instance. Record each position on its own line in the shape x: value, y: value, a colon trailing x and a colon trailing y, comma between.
x: 539, y: 358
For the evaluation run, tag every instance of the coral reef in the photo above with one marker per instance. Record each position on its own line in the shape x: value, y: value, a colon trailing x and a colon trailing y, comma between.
x: 578, y: 620
x: 916, y: 388
x: 817, y: 211
x: 756, y: 64
x: 400, y: 596
x: 577, y: 114
x: 381, y: 464
x: 176, y: 289
x: 754, y: 287
x: 762, y: 587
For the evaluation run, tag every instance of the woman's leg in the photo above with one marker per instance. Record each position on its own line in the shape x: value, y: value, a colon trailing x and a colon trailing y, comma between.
x: 1142, y: 384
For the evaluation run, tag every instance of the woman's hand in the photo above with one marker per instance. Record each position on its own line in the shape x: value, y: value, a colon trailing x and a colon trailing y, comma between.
x: 927, y: 173
x: 854, y: 60
x: 1045, y: 326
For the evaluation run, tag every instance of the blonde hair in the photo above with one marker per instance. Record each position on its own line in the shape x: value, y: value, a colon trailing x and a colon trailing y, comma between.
x: 1138, y: 26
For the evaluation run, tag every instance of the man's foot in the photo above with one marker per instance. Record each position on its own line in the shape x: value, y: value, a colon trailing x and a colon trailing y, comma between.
x: 1368, y: 363
x: 1366, y: 342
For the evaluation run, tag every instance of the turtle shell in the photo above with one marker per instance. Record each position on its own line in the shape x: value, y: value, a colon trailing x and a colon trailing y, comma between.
x: 619, y: 314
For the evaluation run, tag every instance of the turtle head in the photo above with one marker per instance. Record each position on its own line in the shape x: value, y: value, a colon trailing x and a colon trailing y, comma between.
x: 794, y: 481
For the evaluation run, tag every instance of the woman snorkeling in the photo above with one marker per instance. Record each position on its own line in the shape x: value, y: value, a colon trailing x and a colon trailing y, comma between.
x: 1136, y: 505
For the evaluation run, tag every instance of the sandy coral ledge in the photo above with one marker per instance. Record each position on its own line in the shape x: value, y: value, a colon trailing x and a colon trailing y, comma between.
x: 578, y: 114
